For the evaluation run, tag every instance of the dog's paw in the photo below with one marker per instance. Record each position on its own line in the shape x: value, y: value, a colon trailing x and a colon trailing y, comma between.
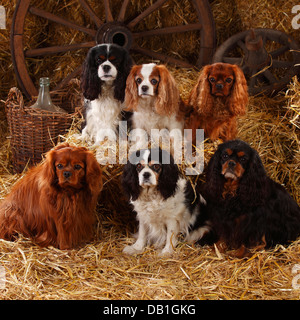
x: 166, y: 252
x: 131, y: 250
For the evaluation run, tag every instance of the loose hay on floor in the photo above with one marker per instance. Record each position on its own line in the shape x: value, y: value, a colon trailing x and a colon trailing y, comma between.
x: 100, y: 270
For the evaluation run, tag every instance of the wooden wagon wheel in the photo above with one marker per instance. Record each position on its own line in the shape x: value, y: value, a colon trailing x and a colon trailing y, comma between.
x: 120, y: 29
x: 269, y: 58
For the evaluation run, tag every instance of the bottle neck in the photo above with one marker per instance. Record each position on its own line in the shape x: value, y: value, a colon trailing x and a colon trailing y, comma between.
x: 44, y: 96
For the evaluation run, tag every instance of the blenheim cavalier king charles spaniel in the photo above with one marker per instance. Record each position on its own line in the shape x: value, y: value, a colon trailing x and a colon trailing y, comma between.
x: 54, y: 203
x: 246, y: 208
x: 165, y: 203
x: 153, y: 96
x: 103, y: 82
x: 218, y: 98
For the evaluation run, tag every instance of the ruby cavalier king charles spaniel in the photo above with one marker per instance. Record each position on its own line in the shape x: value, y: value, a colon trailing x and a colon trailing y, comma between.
x: 54, y: 203
x: 218, y: 98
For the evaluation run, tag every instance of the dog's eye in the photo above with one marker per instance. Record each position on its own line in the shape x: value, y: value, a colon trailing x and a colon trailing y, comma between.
x: 225, y: 156
x: 138, y: 80
x: 228, y: 80
x: 154, y: 82
x: 77, y: 167
x: 156, y: 167
x: 243, y: 159
x: 212, y: 79
x: 100, y: 59
x: 59, y: 166
x: 139, y: 167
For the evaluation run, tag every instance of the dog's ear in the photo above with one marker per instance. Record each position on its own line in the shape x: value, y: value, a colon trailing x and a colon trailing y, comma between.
x: 130, y: 182
x: 93, y: 173
x: 200, y: 98
x: 120, y: 82
x: 168, y: 98
x: 90, y: 81
x: 167, y: 181
x: 214, y: 179
x: 253, y: 184
x: 239, y: 97
x: 49, y: 177
x: 131, y: 91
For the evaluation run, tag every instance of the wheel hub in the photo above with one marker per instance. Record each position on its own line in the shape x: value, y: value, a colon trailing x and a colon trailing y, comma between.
x: 115, y: 32
x: 257, y: 57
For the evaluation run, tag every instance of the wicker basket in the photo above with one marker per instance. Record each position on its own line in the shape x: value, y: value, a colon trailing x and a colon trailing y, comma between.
x: 33, y: 132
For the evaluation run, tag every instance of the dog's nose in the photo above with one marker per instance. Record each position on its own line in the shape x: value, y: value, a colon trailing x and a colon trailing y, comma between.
x: 145, y: 88
x: 106, y: 68
x: 219, y: 86
x: 67, y: 174
x: 231, y: 164
x: 146, y: 175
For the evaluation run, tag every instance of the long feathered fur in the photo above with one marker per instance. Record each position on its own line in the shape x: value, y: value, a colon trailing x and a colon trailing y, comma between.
x: 217, y: 115
x: 166, y: 208
x: 260, y: 211
x: 39, y: 208
x: 91, y: 84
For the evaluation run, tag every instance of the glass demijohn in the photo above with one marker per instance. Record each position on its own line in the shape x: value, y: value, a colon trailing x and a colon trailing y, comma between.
x: 44, y: 101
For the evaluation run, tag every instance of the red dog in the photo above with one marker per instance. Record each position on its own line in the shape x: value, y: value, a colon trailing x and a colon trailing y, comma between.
x: 219, y: 96
x: 54, y: 203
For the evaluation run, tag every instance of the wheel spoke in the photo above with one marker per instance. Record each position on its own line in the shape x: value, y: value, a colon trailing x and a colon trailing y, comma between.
x: 276, y: 53
x: 245, y: 69
x: 233, y: 60
x: 57, y: 19
x: 91, y: 13
x: 168, y: 30
x: 146, y: 13
x: 253, y: 79
x: 160, y: 56
x: 282, y: 64
x: 264, y: 37
x: 108, y: 14
x: 121, y: 16
x: 269, y: 76
x: 56, y: 49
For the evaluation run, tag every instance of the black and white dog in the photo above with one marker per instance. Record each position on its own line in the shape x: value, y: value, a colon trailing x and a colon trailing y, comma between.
x: 165, y: 203
x: 103, y: 83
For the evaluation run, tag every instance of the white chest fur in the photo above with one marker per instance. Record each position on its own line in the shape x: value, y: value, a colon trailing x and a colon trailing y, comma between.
x: 102, y: 117
x: 146, y: 118
x: 160, y: 216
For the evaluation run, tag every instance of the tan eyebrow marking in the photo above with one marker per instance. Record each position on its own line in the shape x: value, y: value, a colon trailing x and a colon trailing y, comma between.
x: 229, y: 152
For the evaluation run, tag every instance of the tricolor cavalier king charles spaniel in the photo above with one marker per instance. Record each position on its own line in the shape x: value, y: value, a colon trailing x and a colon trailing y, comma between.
x: 103, y: 82
x: 218, y: 98
x: 246, y: 208
x: 165, y: 203
x: 153, y: 96
x: 54, y: 203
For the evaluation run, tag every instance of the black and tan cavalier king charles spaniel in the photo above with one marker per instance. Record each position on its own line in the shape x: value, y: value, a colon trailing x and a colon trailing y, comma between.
x: 247, y: 209
x: 165, y: 202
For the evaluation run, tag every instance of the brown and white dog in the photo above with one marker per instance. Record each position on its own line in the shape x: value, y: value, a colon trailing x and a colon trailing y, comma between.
x: 152, y: 94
